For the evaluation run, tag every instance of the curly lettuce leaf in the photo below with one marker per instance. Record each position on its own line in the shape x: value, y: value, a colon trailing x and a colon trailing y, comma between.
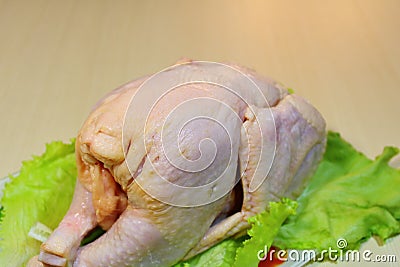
x: 350, y: 197
x: 243, y: 251
x: 42, y: 192
x: 221, y: 255
x: 264, y: 227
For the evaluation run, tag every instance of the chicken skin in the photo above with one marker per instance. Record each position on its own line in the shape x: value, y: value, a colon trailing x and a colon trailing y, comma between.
x: 170, y: 173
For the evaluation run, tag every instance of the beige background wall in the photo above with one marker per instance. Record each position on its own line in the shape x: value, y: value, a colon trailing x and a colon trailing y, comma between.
x: 58, y: 57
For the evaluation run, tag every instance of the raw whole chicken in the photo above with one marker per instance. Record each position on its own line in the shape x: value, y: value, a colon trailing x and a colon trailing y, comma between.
x: 165, y: 183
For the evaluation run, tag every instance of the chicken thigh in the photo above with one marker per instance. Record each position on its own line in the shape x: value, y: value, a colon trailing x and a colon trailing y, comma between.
x: 170, y: 173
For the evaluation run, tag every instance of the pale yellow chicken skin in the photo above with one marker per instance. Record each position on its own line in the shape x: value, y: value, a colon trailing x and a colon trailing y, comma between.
x: 144, y: 230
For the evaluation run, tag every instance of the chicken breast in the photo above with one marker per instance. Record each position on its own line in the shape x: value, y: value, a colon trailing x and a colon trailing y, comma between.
x: 173, y: 163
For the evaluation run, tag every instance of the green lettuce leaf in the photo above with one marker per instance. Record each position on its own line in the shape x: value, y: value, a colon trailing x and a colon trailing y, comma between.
x: 350, y: 197
x: 221, y: 255
x: 265, y: 227
x: 42, y: 192
x: 243, y: 251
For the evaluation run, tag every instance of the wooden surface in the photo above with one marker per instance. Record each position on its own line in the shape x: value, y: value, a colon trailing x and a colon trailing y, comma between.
x: 58, y: 57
